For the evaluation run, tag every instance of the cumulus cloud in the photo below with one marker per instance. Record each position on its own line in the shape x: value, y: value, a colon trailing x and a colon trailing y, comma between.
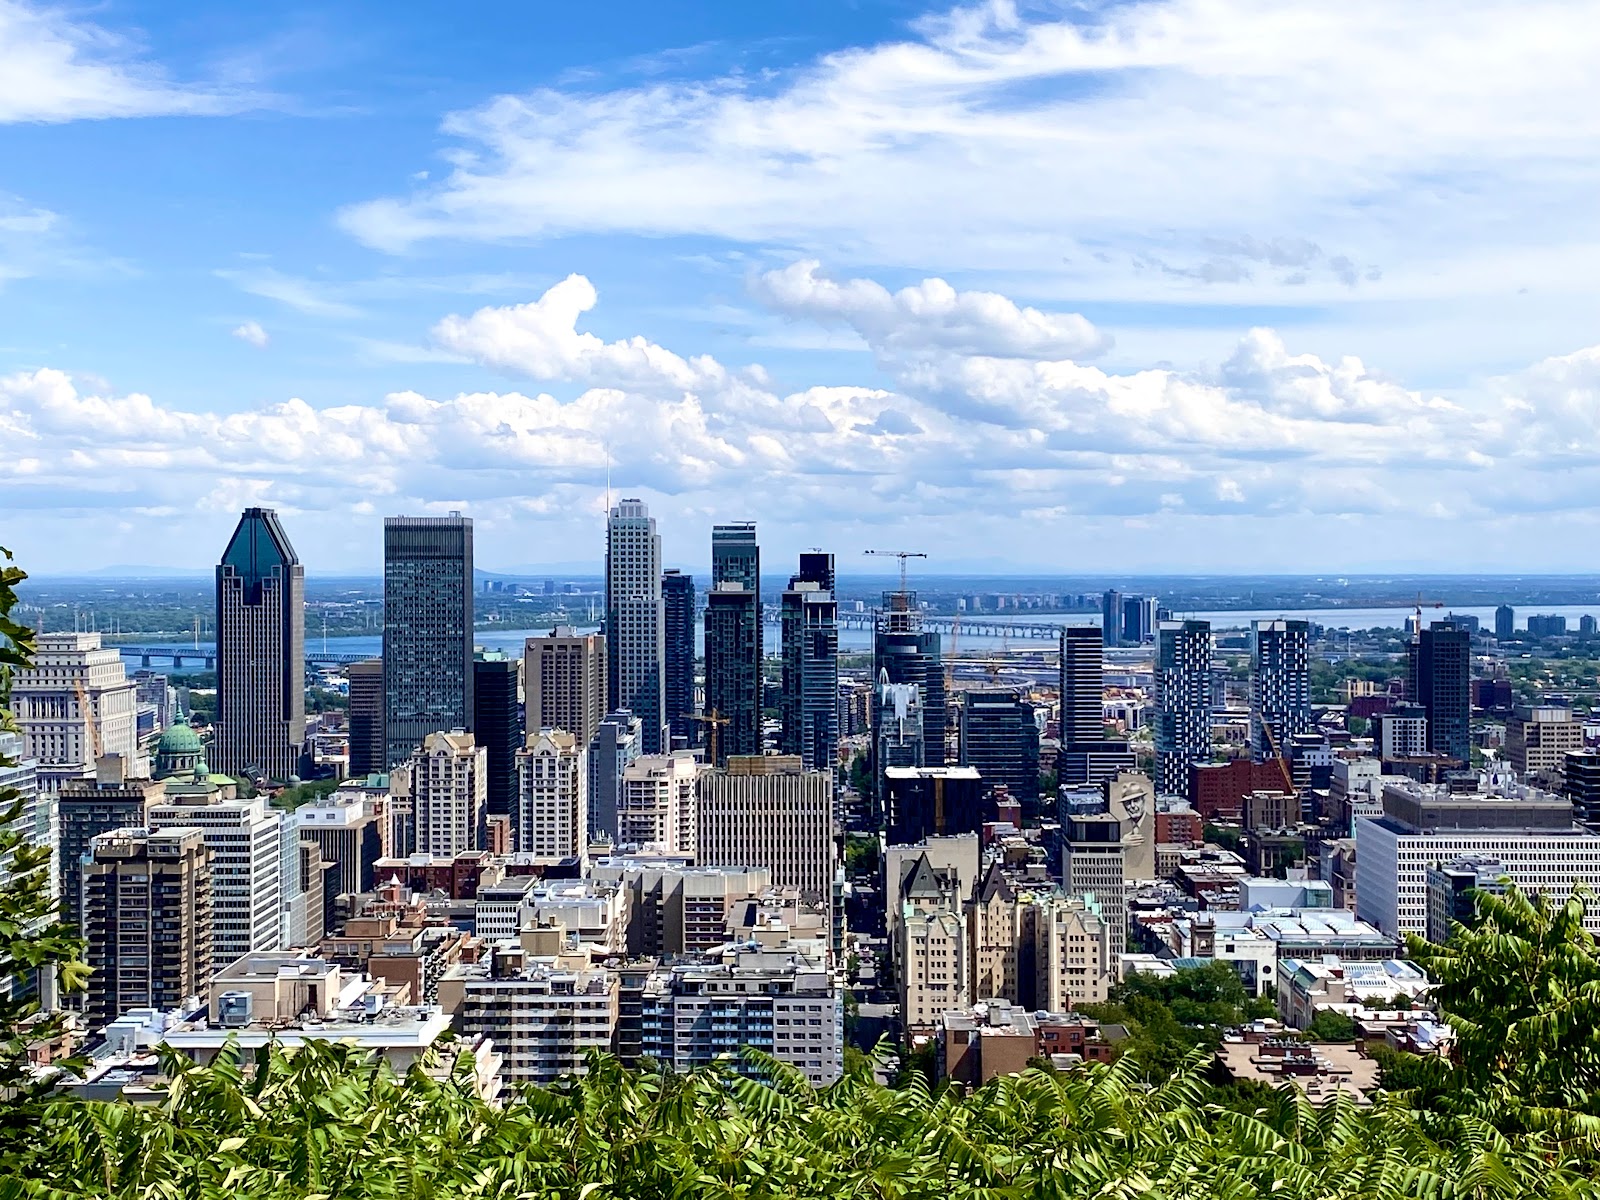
x: 252, y: 333
x: 55, y: 69
x: 930, y: 315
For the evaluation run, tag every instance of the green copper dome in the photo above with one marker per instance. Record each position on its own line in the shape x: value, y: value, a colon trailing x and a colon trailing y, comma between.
x: 180, y: 739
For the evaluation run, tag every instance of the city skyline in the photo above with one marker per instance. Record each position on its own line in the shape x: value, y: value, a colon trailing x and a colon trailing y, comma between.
x: 1239, y: 292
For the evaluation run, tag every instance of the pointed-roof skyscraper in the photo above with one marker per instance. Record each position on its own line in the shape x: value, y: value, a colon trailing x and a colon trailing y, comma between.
x: 261, y: 651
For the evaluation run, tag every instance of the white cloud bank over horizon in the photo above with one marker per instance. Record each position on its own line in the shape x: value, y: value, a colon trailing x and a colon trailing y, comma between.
x: 986, y: 446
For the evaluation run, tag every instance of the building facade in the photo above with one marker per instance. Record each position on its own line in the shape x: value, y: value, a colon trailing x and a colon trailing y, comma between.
x: 552, y: 813
x: 261, y: 651
x: 770, y: 811
x: 1000, y: 740
x: 427, y: 630
x: 1280, y: 686
x: 74, y: 704
x: 87, y: 807
x: 809, y: 622
x: 497, y: 725
x: 147, y: 920
x: 657, y: 806
x: 1182, y: 702
x: 1538, y: 740
x: 679, y: 612
x: 635, y: 619
x: 564, y: 674
x: 367, y: 747
x: 1440, y: 679
x: 449, y: 787
x: 617, y: 742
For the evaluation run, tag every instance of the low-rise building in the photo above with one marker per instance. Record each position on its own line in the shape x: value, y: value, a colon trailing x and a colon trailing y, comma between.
x: 995, y: 1037
x: 1356, y: 989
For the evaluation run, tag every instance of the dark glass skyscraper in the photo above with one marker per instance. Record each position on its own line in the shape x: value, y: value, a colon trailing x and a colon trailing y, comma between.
x: 905, y: 653
x: 427, y: 630
x: 1111, y: 617
x: 261, y: 651
x: 1280, y: 686
x: 1440, y: 680
x: 1505, y: 622
x: 497, y: 725
x: 810, y: 626
x: 1087, y: 755
x: 733, y: 639
x: 677, y: 599
x: 367, y: 753
x: 1182, y: 702
x: 1000, y: 737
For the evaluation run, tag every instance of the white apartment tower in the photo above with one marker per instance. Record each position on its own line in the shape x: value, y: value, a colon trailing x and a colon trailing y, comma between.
x: 449, y: 794
x: 552, y: 815
x: 635, y: 618
x: 75, y: 703
x: 245, y: 838
x: 658, y: 803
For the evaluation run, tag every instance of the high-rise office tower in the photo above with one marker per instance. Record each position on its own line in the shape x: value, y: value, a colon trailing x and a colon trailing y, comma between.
x: 1505, y: 622
x: 616, y: 744
x: 552, y: 814
x: 635, y: 624
x: 902, y: 652
x: 770, y: 811
x: 678, y: 607
x: 449, y: 782
x: 810, y: 628
x: 245, y: 839
x: 1441, y: 681
x: 1000, y: 737
x: 147, y: 920
x: 75, y: 702
x: 497, y: 725
x: 1138, y: 620
x: 366, y: 718
x: 261, y: 651
x: 427, y: 630
x: 564, y: 676
x: 1087, y: 755
x: 111, y: 800
x: 1280, y: 686
x: 733, y: 639
x: 1182, y: 702
x: 1111, y: 617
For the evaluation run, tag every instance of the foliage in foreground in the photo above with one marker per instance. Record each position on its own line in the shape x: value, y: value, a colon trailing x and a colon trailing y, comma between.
x: 324, y: 1123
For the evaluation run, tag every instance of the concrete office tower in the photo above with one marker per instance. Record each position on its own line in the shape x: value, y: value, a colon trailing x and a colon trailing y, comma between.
x: 678, y: 608
x: 148, y: 920
x: 733, y: 639
x: 564, y: 676
x: 74, y: 703
x: 1000, y: 738
x: 552, y: 814
x: 635, y: 620
x: 497, y: 724
x: 810, y: 698
x: 427, y: 630
x: 1538, y: 739
x: 1440, y: 680
x: 245, y: 838
x: 1182, y: 702
x: 449, y: 794
x: 261, y: 651
x: 658, y: 803
x: 1280, y: 686
x: 1111, y: 618
x: 1086, y: 755
x: 616, y: 744
x: 367, y: 755
x: 770, y: 811
x: 1505, y: 622
x: 903, y: 653
x: 1529, y: 830
x: 304, y: 876
x: 87, y: 807
x: 1105, y: 850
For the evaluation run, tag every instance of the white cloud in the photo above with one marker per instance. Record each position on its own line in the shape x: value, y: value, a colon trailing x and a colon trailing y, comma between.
x: 55, y: 69
x: 314, y: 298
x: 1158, y: 148
x: 252, y: 333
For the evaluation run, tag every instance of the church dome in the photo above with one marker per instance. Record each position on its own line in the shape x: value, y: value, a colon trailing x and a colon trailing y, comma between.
x: 180, y: 739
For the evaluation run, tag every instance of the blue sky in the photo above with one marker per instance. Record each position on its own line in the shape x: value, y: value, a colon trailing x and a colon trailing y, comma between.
x: 1231, y: 285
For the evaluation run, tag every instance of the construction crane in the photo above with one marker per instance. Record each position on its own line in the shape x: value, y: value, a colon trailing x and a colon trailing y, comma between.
x: 1277, y: 752
x: 715, y: 720
x: 902, y: 555
x: 87, y: 710
x: 1430, y: 604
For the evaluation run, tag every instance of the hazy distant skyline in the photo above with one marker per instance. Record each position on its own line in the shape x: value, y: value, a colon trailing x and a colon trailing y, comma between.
x: 1111, y: 288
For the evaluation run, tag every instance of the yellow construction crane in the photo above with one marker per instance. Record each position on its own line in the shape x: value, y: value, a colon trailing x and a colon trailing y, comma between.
x: 87, y: 711
x: 715, y: 720
x: 1283, y: 763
